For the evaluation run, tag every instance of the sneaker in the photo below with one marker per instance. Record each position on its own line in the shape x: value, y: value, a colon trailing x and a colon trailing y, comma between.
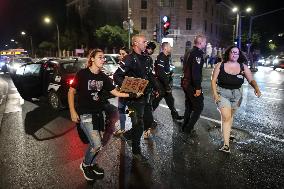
x: 119, y: 132
x: 147, y: 134
x: 88, y: 172
x: 139, y: 157
x: 225, y: 149
x: 175, y: 116
x: 232, y: 137
x: 97, y: 170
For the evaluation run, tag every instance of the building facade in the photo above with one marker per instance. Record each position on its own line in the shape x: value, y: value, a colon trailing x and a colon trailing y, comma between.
x: 187, y: 18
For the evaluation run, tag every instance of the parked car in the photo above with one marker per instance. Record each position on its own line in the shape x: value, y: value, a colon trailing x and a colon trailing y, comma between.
x: 278, y: 62
x: 50, y: 78
x: 15, y: 62
x: 269, y: 60
x: 3, y: 62
x: 111, y: 64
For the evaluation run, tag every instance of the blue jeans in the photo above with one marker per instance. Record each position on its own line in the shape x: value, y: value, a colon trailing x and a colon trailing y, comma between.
x: 94, y: 139
x: 121, y: 109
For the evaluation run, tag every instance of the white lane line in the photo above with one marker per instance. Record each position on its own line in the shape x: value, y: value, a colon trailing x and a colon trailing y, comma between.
x: 268, y: 136
x: 271, y: 98
x: 210, y: 119
x: 219, y: 122
x: 14, y: 103
x: 273, y: 88
x: 203, y: 117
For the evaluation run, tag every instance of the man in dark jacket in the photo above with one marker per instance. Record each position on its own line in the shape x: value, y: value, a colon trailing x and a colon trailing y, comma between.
x: 191, y: 84
x: 164, y: 76
x: 138, y: 65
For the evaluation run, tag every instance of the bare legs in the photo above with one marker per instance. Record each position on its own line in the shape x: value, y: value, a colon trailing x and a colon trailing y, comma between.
x: 227, y: 117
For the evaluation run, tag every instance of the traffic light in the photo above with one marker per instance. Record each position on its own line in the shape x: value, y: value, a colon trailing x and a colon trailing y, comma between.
x: 166, y: 25
x: 155, y: 33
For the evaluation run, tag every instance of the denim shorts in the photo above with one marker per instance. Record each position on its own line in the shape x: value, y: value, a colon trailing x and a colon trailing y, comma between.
x: 230, y: 98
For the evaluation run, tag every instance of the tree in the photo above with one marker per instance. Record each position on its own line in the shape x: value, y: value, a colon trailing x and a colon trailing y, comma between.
x: 111, y: 37
x: 46, y: 47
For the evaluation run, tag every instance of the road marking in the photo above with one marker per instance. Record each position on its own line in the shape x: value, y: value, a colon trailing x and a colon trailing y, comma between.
x: 273, y: 88
x: 271, y: 98
x: 210, y: 119
x: 203, y: 117
x: 268, y: 136
x: 219, y: 122
x: 14, y: 103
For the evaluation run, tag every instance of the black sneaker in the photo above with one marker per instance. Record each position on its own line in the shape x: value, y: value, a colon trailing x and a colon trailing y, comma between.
x: 88, y: 172
x: 97, y: 170
x: 225, y: 149
x: 139, y: 157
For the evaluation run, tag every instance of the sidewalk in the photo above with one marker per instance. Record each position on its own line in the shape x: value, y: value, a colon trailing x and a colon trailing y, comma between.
x: 3, y: 97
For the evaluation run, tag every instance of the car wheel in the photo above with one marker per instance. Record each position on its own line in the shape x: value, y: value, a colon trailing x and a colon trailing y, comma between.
x: 274, y: 67
x: 54, y: 100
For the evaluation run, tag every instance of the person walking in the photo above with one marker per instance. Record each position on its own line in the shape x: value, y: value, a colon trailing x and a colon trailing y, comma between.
x: 121, y: 101
x: 164, y: 77
x: 138, y: 65
x: 226, y: 83
x: 191, y: 84
x: 90, y: 84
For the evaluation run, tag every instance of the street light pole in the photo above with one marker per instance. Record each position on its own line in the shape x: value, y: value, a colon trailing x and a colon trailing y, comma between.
x: 58, y: 40
x: 128, y: 19
x: 48, y: 20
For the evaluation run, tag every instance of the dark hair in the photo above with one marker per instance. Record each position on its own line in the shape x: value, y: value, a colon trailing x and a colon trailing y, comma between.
x: 92, y: 54
x: 151, y: 45
x: 125, y: 49
x: 242, y: 58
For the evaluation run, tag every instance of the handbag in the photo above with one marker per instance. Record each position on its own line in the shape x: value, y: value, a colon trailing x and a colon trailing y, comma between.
x: 83, y: 137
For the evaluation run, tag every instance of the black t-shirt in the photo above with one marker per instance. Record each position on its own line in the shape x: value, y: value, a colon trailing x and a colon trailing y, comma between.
x: 90, y: 87
x: 229, y: 81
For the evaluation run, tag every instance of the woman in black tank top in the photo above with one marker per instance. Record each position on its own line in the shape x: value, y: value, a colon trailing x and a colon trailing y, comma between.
x: 226, y: 81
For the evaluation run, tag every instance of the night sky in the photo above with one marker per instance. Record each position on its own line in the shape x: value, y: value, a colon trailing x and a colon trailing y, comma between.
x: 27, y: 15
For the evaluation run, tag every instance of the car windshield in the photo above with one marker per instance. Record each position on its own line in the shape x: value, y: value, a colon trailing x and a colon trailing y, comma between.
x: 73, y: 67
x: 23, y: 60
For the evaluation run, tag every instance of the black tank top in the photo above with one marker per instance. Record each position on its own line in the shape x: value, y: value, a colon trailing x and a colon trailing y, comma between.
x: 229, y: 81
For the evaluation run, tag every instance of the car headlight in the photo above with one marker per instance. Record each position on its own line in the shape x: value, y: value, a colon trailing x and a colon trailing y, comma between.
x: 275, y: 61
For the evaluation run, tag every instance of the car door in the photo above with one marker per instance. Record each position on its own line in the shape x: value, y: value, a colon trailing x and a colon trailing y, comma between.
x: 32, y: 80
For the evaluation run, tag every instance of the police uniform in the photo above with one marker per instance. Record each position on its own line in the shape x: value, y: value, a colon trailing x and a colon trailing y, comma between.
x: 139, y: 66
x: 164, y: 76
x: 192, y: 78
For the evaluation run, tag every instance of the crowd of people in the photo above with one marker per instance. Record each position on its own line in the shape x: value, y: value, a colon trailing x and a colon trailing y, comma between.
x: 91, y: 84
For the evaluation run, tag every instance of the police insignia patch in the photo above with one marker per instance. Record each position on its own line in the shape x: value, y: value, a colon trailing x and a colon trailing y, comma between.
x: 198, y: 60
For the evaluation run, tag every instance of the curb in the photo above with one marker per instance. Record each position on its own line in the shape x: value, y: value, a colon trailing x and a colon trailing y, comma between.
x: 3, y: 98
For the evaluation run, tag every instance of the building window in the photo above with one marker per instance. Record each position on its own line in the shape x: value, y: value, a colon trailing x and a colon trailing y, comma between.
x: 171, y: 3
x: 216, y: 29
x: 206, y: 6
x: 189, y: 4
x: 212, y: 11
x: 211, y: 28
x: 143, y: 23
x: 167, y: 3
x: 205, y: 25
x: 188, y: 23
x: 143, y: 4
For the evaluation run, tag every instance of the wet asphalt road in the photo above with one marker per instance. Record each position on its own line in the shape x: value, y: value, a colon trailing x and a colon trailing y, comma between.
x: 40, y: 148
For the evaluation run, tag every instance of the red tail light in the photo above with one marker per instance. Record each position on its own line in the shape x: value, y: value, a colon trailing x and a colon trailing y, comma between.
x: 70, y: 81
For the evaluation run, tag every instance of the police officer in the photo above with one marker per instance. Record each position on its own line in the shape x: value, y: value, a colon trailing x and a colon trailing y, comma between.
x: 136, y: 65
x: 164, y: 76
x: 191, y: 84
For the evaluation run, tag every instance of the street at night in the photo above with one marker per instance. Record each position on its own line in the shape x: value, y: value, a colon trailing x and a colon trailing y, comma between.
x: 138, y: 94
x: 40, y: 148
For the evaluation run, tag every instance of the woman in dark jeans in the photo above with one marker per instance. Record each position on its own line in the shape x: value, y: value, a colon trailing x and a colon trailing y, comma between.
x: 90, y: 84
